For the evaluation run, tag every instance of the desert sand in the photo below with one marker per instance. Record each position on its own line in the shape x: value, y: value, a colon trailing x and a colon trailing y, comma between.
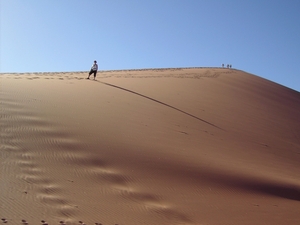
x: 211, y: 146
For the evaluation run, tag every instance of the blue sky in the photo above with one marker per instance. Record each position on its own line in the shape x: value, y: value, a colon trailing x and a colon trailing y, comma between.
x: 257, y: 36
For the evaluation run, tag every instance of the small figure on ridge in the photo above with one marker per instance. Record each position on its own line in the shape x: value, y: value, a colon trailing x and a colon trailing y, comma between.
x: 93, y: 70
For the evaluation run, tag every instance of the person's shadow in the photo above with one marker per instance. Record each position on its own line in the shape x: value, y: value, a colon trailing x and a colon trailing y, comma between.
x: 165, y: 104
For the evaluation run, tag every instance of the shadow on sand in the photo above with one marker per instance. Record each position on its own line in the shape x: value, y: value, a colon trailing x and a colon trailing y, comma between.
x: 152, y: 99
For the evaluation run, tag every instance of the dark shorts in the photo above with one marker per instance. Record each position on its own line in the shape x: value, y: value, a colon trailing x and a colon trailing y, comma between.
x: 93, y: 72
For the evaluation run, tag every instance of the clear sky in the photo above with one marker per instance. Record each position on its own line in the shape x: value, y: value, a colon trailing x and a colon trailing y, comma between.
x: 258, y: 36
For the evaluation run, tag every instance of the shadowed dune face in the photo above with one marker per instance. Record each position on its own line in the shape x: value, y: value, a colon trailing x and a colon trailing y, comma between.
x: 160, y: 146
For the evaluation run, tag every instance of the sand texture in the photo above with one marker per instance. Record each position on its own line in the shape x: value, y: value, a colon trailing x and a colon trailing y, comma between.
x: 190, y: 146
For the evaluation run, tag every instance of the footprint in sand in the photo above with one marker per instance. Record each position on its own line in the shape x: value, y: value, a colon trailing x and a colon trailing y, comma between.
x: 44, y: 222
x: 24, y: 221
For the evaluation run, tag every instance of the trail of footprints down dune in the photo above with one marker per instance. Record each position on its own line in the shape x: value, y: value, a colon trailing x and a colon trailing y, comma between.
x: 20, y: 128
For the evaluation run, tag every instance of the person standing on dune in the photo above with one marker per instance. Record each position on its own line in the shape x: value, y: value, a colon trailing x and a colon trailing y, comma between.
x: 93, y: 70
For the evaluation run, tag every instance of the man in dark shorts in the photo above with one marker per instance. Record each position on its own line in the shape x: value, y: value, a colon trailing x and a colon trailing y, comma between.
x: 93, y: 70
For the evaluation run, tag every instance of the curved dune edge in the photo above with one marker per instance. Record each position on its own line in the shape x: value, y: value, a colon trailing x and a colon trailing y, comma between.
x: 150, y: 146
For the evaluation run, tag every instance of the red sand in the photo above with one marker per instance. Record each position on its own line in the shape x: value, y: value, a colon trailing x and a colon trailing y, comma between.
x: 167, y: 146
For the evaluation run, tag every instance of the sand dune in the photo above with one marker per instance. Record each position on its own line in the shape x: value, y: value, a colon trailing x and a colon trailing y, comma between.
x: 155, y: 146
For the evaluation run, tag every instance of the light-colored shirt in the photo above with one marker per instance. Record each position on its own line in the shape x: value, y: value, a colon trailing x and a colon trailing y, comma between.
x: 95, y: 67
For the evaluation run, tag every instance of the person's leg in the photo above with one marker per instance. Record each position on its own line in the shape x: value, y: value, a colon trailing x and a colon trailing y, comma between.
x: 90, y: 74
x: 95, y: 73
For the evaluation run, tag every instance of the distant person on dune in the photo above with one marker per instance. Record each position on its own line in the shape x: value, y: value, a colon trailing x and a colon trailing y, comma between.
x: 93, y: 70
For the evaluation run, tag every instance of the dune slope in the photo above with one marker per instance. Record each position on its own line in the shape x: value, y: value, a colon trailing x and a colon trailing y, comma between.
x: 157, y: 146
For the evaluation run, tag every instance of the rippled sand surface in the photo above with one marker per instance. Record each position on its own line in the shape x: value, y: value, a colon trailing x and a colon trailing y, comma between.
x: 155, y: 146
